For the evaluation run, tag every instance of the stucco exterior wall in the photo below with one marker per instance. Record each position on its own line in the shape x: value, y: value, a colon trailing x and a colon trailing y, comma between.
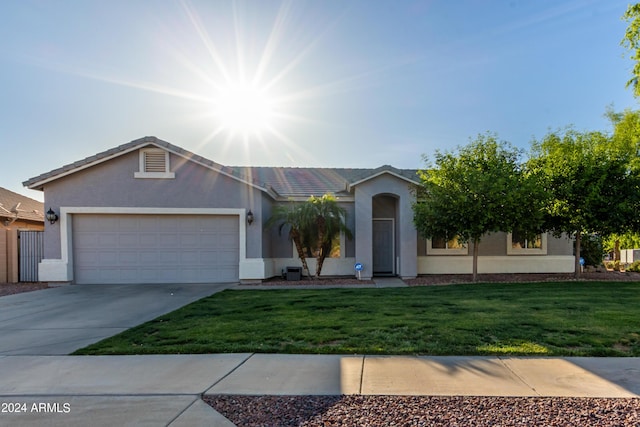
x: 386, y: 184
x: 281, y: 252
x: 495, y: 244
x: 112, y: 184
x: 493, y: 257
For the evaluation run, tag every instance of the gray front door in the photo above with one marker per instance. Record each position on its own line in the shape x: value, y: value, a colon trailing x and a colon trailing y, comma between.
x: 383, y: 252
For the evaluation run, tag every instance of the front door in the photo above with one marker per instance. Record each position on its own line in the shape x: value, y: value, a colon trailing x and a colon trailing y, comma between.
x: 383, y: 247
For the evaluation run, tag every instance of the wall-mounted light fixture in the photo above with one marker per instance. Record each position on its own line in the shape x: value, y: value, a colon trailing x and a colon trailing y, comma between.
x: 249, y: 217
x: 51, y: 216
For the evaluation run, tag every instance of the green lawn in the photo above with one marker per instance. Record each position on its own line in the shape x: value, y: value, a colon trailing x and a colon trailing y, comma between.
x: 559, y: 319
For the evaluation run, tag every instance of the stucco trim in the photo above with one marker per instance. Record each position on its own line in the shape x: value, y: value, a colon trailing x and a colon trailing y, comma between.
x: 534, y: 251
x: 385, y: 172
x: 495, y: 264
x: 38, y: 183
x: 464, y: 250
x: 62, y: 269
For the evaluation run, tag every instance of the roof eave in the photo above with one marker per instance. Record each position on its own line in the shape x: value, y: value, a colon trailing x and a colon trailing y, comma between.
x: 38, y: 184
x: 384, y: 172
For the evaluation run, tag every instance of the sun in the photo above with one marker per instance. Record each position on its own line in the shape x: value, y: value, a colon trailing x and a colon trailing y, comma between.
x: 243, y: 108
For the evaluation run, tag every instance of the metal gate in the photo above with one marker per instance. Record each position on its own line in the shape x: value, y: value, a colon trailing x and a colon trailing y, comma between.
x: 30, y: 253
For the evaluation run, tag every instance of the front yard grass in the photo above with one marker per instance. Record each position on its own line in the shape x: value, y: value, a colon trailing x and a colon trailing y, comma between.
x: 544, y: 319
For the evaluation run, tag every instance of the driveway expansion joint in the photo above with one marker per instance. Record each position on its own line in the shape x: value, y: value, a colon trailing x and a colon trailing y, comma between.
x: 227, y: 374
x: 515, y: 374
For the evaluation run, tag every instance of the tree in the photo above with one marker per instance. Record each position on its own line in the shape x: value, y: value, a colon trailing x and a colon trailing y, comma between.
x: 329, y: 222
x: 631, y: 41
x: 614, y: 242
x: 312, y: 224
x: 590, y: 185
x: 481, y: 188
x: 625, y: 143
x: 297, y: 218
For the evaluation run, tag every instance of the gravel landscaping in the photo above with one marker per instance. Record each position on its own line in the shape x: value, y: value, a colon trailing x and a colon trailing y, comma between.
x: 357, y: 410
x: 450, y: 279
x: 17, y: 288
x: 443, y: 279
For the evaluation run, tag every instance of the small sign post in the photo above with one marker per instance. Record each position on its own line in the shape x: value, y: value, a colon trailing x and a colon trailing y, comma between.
x: 358, y: 268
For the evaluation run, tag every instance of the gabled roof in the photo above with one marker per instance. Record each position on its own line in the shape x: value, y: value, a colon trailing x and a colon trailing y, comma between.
x: 17, y: 206
x: 278, y: 182
x: 37, y: 183
x: 293, y: 182
x: 409, y: 175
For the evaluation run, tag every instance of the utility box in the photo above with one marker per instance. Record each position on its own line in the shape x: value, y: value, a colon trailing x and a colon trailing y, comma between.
x: 294, y: 273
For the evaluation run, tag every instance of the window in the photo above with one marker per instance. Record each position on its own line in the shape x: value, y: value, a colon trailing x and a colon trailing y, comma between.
x: 444, y: 243
x: 446, y: 246
x: 154, y: 163
x: 334, y: 251
x: 519, y: 244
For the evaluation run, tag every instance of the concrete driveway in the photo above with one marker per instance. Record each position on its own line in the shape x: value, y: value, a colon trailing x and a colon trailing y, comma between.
x: 58, y: 321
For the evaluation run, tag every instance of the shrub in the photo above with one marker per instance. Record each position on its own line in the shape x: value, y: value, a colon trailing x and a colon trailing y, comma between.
x: 591, y: 250
x: 634, y: 267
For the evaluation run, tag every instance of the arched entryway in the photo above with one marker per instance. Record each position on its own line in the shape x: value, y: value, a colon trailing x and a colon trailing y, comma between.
x: 384, y: 234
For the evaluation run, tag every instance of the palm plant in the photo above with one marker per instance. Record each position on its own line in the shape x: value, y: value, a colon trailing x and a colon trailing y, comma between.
x: 329, y: 219
x: 312, y: 224
x: 297, y: 217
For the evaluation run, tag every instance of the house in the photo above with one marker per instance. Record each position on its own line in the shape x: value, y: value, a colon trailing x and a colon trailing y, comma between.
x: 17, y: 212
x: 149, y: 211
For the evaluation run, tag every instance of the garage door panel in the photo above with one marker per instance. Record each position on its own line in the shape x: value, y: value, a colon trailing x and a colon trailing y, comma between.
x: 169, y: 240
x: 208, y: 257
x: 148, y: 240
x: 110, y: 257
x: 155, y: 249
x: 126, y: 239
x: 189, y: 240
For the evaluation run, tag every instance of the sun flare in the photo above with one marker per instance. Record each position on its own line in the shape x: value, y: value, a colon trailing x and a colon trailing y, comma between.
x: 243, y: 109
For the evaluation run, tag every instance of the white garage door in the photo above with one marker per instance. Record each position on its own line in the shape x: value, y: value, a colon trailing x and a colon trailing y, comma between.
x: 155, y: 248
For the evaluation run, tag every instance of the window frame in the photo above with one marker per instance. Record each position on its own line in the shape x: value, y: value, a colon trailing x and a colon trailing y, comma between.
x: 542, y: 250
x: 343, y: 240
x: 464, y: 250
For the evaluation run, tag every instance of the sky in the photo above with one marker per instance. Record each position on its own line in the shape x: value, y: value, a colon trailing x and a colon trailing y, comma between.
x: 323, y: 83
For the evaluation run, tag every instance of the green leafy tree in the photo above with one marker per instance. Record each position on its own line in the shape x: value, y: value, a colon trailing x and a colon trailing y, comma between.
x: 625, y: 141
x: 312, y: 224
x: 481, y: 188
x: 591, y: 249
x: 590, y: 185
x: 631, y: 41
x: 615, y: 242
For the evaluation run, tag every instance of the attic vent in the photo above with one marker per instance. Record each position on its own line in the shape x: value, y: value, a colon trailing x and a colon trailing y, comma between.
x: 154, y: 163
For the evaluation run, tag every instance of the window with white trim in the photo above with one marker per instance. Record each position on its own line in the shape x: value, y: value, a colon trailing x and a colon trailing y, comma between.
x: 446, y: 246
x: 335, y: 251
x: 520, y: 244
x: 154, y: 163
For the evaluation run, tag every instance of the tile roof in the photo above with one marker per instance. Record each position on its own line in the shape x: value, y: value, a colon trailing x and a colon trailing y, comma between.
x: 14, y: 205
x: 305, y: 182
x: 277, y: 181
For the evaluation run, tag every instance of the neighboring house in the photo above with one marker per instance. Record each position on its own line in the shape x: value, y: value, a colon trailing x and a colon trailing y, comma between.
x: 17, y: 212
x: 149, y: 211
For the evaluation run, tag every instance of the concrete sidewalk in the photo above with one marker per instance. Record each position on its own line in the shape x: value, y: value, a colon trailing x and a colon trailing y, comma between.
x: 166, y: 390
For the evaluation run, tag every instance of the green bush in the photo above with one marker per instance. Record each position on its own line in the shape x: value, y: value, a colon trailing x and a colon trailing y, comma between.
x: 634, y: 267
x: 591, y: 250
